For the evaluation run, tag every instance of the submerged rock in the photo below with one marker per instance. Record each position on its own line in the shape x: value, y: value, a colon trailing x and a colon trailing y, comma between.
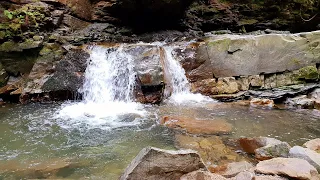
x: 256, y: 102
x: 249, y: 145
x: 273, y: 150
x: 313, y: 144
x: 307, y: 154
x: 202, y: 175
x: 292, y: 167
x: 212, y: 150
x: 301, y: 102
x: 194, y: 126
x: 157, y: 164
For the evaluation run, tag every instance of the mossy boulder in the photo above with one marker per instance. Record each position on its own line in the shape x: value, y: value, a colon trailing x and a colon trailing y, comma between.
x: 307, y: 73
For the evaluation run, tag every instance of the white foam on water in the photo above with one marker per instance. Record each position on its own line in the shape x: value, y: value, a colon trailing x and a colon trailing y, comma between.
x: 107, y: 91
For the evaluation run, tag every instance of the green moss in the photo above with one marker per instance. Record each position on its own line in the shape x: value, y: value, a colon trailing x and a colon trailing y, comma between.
x: 307, y: 73
x: 8, y: 46
x: 2, y: 34
x: 220, y: 45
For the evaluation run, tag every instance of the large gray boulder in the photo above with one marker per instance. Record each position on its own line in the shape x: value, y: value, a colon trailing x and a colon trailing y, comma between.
x: 157, y: 164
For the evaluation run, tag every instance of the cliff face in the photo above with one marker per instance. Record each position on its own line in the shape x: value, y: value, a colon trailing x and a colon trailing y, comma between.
x: 36, y: 35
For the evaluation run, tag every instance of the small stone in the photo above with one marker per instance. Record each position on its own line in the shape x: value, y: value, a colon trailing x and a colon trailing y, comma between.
x: 273, y: 150
x: 292, y: 167
x: 313, y: 144
x: 262, y: 102
x: 307, y: 154
x: 202, y: 175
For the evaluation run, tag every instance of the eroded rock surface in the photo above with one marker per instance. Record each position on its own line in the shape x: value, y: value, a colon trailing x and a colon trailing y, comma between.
x: 153, y: 163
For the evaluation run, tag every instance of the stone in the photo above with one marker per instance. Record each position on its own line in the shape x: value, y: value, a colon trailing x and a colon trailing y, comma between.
x: 226, y: 85
x: 3, y: 76
x: 301, y: 102
x: 243, y: 83
x: 202, y: 175
x: 153, y: 163
x: 256, y: 102
x: 256, y: 80
x: 212, y: 150
x: 313, y: 144
x: 195, y: 126
x: 232, y: 169
x: 270, y: 81
x: 284, y: 79
x: 234, y: 55
x: 249, y: 145
x: 272, y: 150
x: 292, y: 167
x: 315, y: 94
x: 307, y: 154
x: 266, y: 177
x: 246, y: 175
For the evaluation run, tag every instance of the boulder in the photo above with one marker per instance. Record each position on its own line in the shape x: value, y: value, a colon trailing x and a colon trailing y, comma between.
x: 226, y: 85
x: 233, y: 169
x: 301, y: 102
x: 292, y: 167
x: 307, y: 154
x: 246, y: 175
x: 202, y: 175
x: 234, y: 55
x: 195, y: 126
x: 249, y: 145
x: 313, y: 144
x: 266, y: 177
x: 272, y: 150
x: 212, y: 150
x: 153, y: 163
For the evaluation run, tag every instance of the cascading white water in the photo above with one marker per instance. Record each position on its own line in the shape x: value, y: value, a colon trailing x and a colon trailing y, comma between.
x: 109, y: 76
x: 180, y: 87
x: 107, y: 90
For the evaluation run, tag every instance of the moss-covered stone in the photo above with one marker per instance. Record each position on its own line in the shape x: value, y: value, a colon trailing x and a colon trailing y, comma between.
x: 307, y: 73
x: 3, y: 76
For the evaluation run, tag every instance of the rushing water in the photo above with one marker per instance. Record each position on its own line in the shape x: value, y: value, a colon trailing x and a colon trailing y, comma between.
x: 98, y: 137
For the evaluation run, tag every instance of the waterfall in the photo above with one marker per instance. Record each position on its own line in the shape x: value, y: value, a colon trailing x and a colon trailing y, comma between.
x: 107, y: 91
x: 109, y: 76
x: 179, y: 87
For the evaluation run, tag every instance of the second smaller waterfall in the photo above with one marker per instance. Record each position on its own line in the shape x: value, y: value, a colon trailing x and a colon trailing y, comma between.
x: 179, y: 86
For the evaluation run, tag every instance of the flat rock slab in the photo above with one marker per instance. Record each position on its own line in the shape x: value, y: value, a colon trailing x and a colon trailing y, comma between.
x: 273, y: 150
x: 235, y: 168
x: 157, y: 164
x: 292, y: 167
x: 194, y: 126
x: 313, y: 144
x: 307, y: 154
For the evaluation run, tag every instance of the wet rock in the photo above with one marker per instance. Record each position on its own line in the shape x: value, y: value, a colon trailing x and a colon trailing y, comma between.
x: 292, y: 167
x: 273, y: 150
x: 301, y: 102
x: 315, y: 94
x: 3, y: 76
x: 212, y: 150
x: 194, y: 126
x: 249, y: 145
x: 231, y: 55
x: 227, y: 85
x: 256, y: 80
x: 246, y: 175
x: 262, y: 102
x: 307, y: 154
x: 154, y: 163
x: 282, y: 93
x: 232, y: 169
x: 313, y: 144
x: 202, y: 175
